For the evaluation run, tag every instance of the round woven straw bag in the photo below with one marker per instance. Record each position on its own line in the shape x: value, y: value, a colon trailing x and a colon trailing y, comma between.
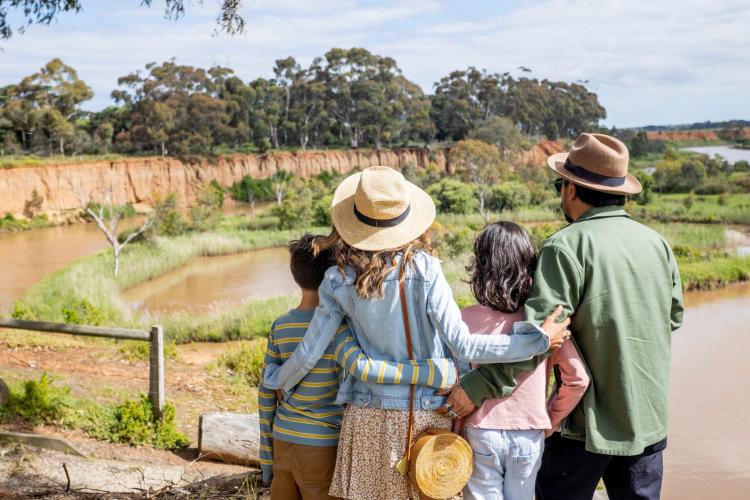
x: 440, y: 464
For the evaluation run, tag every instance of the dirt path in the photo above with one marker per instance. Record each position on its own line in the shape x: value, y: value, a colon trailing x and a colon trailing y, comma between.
x: 99, y: 371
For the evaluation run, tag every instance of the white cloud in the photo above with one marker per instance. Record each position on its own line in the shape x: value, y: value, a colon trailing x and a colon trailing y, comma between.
x: 651, y: 62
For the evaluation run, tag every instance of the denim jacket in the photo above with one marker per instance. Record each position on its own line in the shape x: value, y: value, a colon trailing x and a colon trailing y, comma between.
x: 436, y: 328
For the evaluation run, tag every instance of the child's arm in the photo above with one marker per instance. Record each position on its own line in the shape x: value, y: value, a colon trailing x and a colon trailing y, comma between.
x: 320, y: 333
x: 570, y: 389
x: 527, y: 340
x: 437, y: 372
x: 267, y: 403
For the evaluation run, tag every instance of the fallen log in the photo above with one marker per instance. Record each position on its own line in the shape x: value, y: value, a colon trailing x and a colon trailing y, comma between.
x: 229, y: 437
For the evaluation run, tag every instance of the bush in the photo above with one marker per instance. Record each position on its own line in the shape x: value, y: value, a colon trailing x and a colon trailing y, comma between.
x: 247, y: 360
x: 322, y: 211
x: 714, y: 186
x: 83, y: 312
x: 40, y: 402
x: 509, y: 196
x: 453, y: 197
x: 132, y: 422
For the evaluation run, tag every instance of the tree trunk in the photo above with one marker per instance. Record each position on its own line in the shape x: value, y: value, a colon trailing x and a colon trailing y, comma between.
x: 163, y: 150
x: 116, y: 263
x: 252, y: 208
x: 62, y: 146
x: 229, y: 437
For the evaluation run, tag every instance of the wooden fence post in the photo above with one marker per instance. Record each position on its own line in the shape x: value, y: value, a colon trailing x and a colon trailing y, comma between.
x: 156, y: 372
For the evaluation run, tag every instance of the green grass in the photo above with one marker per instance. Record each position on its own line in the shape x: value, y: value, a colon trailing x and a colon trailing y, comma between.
x: 714, y: 209
x: 697, y: 236
x: 8, y: 223
x: 14, y: 161
x: 715, y: 272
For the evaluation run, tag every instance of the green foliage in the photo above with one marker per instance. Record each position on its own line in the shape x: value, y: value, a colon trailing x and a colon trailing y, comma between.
x: 452, y: 196
x: 509, y: 196
x: 132, y: 422
x: 499, y: 131
x: 705, y: 273
x: 40, y: 402
x: 168, y: 220
x: 207, y: 211
x: 689, y: 201
x: 246, y: 360
x: 322, y: 211
x: 647, y: 183
x: 82, y: 312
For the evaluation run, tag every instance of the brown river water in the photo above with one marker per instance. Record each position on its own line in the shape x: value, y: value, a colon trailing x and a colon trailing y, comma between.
x: 708, y: 455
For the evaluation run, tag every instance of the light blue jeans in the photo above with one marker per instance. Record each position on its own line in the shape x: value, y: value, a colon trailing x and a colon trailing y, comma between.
x: 505, y: 463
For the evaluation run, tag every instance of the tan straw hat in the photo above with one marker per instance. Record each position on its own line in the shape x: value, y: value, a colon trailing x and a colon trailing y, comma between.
x: 380, y: 210
x: 598, y: 162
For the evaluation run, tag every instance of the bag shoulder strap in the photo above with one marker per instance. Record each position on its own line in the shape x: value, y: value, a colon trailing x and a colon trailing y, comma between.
x: 407, y: 335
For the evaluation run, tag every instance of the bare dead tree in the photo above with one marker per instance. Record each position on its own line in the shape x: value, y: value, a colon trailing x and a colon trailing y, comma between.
x: 107, y: 215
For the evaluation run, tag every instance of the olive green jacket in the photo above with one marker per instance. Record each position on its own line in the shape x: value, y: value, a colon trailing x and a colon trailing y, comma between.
x: 619, y: 280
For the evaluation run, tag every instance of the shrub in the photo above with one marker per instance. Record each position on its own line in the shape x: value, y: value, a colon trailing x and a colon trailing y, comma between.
x: 247, y: 360
x: 713, y: 186
x: 83, y: 312
x: 132, y: 422
x: 453, y: 197
x: 40, y: 402
x: 509, y: 196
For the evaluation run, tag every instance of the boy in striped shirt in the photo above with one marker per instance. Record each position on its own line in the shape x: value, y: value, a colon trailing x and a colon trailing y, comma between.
x: 299, y: 434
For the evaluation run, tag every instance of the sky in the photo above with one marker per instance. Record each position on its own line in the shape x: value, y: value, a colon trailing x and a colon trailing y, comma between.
x: 650, y: 62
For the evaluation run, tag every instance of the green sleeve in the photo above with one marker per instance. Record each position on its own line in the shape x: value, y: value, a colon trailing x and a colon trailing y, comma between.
x: 557, y: 281
x: 678, y: 308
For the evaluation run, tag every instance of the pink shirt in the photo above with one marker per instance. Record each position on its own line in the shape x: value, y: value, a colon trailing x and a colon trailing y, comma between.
x: 526, y: 408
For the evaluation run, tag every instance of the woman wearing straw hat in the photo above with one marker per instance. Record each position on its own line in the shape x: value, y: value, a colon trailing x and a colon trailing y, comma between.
x: 385, y: 261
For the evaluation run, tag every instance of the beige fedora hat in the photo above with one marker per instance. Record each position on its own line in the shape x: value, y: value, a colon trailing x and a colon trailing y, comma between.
x: 378, y: 209
x: 599, y: 162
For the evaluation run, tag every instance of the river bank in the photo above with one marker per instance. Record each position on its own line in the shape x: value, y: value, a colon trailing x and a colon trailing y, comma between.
x: 183, y: 284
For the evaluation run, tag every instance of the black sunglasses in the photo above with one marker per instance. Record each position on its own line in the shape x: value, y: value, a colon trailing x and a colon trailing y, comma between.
x: 559, y: 183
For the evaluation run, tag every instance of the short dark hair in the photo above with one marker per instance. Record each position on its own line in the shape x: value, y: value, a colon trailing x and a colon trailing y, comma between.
x: 598, y: 198
x: 502, y: 267
x: 308, y: 269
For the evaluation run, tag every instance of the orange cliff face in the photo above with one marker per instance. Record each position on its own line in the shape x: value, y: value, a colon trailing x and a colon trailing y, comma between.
x: 692, y: 135
x: 141, y: 180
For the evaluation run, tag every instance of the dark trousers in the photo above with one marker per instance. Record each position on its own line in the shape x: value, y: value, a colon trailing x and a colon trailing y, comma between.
x: 569, y: 472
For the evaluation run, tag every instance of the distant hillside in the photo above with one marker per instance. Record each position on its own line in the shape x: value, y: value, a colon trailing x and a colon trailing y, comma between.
x: 708, y: 125
x: 732, y: 134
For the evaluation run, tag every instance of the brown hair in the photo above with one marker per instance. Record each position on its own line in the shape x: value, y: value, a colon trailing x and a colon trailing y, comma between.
x: 502, y: 267
x: 371, y: 267
x: 307, y: 265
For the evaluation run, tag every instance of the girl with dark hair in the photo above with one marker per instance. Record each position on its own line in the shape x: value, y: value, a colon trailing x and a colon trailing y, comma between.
x: 507, y: 435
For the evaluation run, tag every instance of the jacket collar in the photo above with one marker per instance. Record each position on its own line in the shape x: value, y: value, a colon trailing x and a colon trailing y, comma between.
x: 603, y: 213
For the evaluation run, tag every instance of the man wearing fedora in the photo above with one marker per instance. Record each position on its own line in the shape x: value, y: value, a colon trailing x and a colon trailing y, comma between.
x: 619, y: 281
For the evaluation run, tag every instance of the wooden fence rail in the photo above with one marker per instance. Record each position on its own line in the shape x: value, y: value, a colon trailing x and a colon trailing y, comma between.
x: 156, y: 352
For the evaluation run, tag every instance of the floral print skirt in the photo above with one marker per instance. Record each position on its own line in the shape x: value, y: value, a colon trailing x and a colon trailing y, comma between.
x: 372, y: 442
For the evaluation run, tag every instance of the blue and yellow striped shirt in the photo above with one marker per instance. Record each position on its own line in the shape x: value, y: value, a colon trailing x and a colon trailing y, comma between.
x: 309, y: 415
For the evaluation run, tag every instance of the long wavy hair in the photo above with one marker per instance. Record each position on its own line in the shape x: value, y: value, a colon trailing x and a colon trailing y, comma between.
x: 502, y: 267
x: 371, y: 267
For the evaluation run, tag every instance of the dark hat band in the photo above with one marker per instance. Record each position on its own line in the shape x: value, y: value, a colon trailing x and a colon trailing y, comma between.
x: 381, y: 222
x: 589, y: 176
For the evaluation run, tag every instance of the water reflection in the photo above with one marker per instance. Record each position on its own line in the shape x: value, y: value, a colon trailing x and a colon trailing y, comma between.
x: 210, y: 283
x: 709, y: 449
